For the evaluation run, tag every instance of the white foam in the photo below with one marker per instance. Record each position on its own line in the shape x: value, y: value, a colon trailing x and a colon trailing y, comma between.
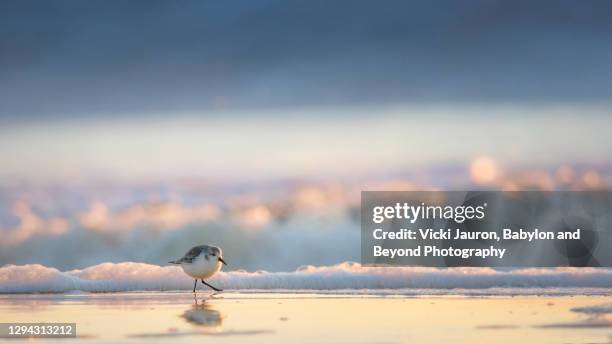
x: 130, y: 276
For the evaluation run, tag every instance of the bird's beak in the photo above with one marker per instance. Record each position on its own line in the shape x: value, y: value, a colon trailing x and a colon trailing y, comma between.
x: 222, y: 261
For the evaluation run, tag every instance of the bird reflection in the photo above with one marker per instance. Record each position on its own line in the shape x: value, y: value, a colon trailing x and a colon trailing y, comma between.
x: 203, y: 314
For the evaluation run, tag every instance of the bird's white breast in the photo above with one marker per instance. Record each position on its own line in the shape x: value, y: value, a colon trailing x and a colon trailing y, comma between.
x: 202, y: 268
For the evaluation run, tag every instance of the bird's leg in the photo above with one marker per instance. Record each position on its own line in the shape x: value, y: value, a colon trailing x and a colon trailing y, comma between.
x: 211, y: 287
x: 195, y: 284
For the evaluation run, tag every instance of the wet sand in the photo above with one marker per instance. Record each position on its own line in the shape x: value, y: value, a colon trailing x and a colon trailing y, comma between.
x: 178, y: 317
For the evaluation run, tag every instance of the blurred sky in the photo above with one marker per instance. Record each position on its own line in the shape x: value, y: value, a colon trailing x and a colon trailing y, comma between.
x: 272, y: 88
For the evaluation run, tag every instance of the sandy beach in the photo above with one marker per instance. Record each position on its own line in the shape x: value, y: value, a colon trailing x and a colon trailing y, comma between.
x: 311, y: 317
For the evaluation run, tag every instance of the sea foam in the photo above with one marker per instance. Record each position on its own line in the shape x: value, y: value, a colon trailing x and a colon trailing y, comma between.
x: 131, y: 276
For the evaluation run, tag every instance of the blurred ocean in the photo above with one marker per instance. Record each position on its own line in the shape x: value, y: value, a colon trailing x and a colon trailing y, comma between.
x: 266, y: 225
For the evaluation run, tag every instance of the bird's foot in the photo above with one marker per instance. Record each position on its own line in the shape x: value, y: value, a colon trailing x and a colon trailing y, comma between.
x: 211, y: 287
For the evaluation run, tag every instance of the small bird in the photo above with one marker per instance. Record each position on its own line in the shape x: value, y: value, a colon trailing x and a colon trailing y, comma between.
x: 201, y: 262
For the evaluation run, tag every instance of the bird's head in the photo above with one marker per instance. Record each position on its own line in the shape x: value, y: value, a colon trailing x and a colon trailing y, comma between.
x: 217, y: 253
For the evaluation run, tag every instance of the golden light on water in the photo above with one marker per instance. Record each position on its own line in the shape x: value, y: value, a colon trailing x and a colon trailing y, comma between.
x: 591, y: 179
x: 483, y: 170
x: 565, y: 174
x: 270, y: 318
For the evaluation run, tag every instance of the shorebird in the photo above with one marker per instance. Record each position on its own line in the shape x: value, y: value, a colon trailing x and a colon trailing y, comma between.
x: 201, y: 262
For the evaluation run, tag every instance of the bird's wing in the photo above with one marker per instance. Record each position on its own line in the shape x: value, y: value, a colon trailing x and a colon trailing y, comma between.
x: 192, y: 254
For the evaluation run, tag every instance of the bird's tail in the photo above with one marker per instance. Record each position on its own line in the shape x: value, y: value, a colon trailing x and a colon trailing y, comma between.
x: 174, y: 262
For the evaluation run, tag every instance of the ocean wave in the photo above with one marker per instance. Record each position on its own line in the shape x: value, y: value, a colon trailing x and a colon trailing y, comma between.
x: 131, y: 276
